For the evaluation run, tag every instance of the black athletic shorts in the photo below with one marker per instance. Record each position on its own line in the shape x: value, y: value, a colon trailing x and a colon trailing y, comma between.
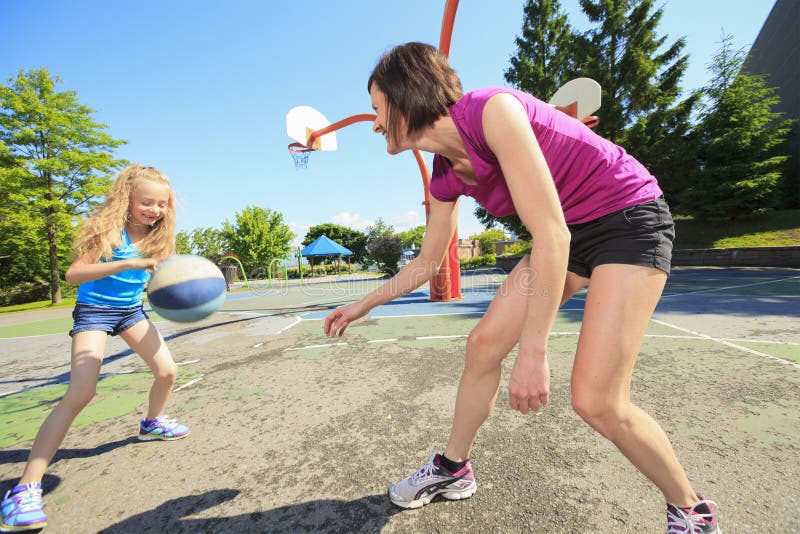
x: 638, y: 235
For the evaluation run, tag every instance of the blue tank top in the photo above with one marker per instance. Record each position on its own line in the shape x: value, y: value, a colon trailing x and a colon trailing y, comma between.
x: 120, y: 290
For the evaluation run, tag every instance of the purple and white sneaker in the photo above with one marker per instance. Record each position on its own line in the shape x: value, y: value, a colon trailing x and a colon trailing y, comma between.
x: 698, y: 519
x: 432, y: 480
x: 161, y: 428
x: 22, y: 509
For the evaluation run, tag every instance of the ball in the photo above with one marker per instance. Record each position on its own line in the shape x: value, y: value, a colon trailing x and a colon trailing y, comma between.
x: 186, y: 288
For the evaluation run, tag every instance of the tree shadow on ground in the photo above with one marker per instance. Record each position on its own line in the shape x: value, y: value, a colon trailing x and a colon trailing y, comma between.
x: 21, y: 455
x: 366, y: 514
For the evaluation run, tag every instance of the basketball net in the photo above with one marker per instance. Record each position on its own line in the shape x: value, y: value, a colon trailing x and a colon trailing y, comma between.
x: 300, y: 155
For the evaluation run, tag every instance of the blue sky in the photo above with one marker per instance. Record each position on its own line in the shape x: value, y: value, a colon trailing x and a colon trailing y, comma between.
x: 200, y: 88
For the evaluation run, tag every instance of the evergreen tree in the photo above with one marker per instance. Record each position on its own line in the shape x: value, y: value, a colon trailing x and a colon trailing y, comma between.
x: 544, y: 61
x: 737, y: 137
x: 638, y: 72
x: 56, y: 165
x: 545, y: 57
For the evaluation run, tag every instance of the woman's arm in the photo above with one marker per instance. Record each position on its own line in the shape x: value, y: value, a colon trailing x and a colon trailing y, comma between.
x: 85, y: 268
x: 510, y: 136
x: 439, y: 232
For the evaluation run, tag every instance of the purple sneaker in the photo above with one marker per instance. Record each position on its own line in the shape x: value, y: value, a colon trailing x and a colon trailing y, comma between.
x: 432, y: 480
x: 698, y: 519
x: 161, y: 428
x: 22, y: 509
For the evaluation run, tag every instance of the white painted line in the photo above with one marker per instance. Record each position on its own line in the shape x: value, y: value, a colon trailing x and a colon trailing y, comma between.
x: 382, y: 340
x: 257, y: 345
x: 187, y: 362
x: 442, y: 337
x: 729, y: 344
x: 729, y: 287
x: 316, y: 346
x: 297, y: 320
x: 187, y: 384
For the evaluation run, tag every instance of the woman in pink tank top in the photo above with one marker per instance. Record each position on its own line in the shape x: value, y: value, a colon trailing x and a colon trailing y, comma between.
x: 597, y: 218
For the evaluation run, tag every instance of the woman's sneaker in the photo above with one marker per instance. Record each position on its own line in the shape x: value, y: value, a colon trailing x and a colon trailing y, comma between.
x: 22, y: 509
x: 161, y: 428
x: 432, y: 480
x: 698, y: 519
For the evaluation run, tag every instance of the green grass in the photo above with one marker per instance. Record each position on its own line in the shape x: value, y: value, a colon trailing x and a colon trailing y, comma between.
x: 776, y: 229
x: 40, y: 305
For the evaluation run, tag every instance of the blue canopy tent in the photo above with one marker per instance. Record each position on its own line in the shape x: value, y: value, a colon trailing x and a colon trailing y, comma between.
x: 323, y: 247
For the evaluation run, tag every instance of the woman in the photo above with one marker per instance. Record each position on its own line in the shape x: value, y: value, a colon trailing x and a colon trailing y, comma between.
x: 598, y: 218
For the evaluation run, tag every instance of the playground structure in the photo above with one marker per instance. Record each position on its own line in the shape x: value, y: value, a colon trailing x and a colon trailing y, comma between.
x: 578, y: 98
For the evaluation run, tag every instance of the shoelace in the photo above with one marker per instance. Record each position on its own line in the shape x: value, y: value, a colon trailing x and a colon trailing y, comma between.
x: 165, y: 422
x: 425, y: 471
x: 30, y: 499
x: 691, y: 521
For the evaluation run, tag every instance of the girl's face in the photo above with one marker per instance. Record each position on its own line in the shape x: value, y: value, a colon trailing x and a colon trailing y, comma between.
x: 149, y: 202
x: 379, y: 104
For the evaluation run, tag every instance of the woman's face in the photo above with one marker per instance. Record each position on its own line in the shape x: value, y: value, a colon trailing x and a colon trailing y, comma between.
x: 379, y: 104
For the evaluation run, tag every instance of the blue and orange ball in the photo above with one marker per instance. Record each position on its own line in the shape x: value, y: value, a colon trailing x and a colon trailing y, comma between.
x: 186, y: 288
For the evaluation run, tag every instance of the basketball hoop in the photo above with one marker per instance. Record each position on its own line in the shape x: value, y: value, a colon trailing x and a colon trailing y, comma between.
x: 300, y: 155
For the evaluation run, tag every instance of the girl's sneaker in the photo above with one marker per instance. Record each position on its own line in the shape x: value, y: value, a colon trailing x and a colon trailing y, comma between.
x: 432, y: 480
x: 161, y: 428
x: 22, y: 509
x: 698, y: 519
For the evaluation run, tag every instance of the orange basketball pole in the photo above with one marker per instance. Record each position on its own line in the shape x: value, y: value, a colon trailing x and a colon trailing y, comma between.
x: 446, y: 284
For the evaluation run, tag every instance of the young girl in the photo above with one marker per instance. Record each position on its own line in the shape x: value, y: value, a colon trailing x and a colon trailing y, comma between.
x: 598, y: 218
x: 131, y: 233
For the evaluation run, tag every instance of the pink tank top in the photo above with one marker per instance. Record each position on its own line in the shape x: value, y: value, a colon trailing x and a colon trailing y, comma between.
x: 593, y: 176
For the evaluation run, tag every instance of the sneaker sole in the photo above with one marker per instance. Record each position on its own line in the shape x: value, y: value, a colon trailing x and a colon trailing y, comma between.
x: 36, y: 526
x: 156, y: 437
x: 449, y: 495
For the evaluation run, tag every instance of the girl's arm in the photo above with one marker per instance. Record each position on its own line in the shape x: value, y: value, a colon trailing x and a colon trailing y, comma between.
x: 442, y: 221
x: 86, y: 268
x: 510, y: 136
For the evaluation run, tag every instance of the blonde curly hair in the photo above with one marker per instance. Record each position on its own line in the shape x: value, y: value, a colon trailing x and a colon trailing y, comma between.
x: 102, y: 232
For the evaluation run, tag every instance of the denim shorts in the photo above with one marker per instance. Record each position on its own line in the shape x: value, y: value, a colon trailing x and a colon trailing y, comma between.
x: 109, y: 319
x: 638, y: 235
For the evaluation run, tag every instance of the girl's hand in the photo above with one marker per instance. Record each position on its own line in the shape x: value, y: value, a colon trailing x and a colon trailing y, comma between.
x: 529, y: 385
x: 337, y: 321
x: 144, y: 264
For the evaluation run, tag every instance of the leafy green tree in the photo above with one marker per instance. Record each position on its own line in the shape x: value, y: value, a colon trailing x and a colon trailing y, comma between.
x: 376, y: 231
x: 209, y: 243
x: 386, y: 251
x: 488, y: 239
x: 57, y: 166
x: 183, y: 243
x: 353, y: 240
x: 639, y: 72
x: 258, y: 237
x: 412, y: 238
x: 511, y: 223
x: 738, y: 134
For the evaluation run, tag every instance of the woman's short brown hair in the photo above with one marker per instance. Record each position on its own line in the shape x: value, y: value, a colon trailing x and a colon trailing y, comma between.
x: 419, y: 84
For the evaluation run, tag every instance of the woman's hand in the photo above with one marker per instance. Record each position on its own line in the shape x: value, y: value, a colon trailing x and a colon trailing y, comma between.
x: 529, y: 385
x: 338, y: 320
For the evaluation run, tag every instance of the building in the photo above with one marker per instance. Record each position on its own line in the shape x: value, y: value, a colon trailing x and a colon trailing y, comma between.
x: 776, y: 54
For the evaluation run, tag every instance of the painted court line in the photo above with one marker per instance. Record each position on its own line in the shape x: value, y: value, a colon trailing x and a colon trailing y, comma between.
x: 729, y: 344
x: 730, y: 287
x: 187, y: 384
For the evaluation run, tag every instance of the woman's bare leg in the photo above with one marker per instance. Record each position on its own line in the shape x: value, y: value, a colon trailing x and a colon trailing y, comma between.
x: 619, y: 303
